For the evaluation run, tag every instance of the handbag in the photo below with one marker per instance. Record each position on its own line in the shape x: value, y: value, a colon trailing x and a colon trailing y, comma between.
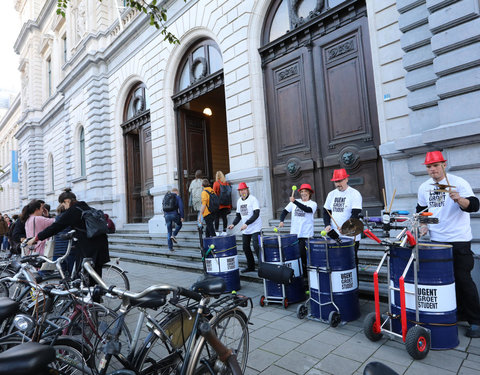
x: 48, y: 253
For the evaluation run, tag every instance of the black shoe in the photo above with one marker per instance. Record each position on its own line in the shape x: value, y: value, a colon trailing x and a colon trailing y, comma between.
x: 247, y: 269
x: 171, y: 250
x: 174, y: 239
x: 473, y: 331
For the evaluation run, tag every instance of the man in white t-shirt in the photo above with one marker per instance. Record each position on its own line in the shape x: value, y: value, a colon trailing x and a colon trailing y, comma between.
x: 452, y: 206
x: 342, y: 204
x: 303, y: 212
x: 248, y: 211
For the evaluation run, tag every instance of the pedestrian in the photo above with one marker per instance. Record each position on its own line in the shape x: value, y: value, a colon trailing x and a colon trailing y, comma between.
x: 208, y: 213
x: 3, y: 229
x: 248, y: 211
x: 303, y: 212
x: 95, y: 248
x: 452, y: 206
x: 342, y: 203
x: 35, y: 222
x: 12, y: 245
x: 18, y: 234
x: 195, y: 193
x: 46, y: 210
x: 224, y: 191
x: 61, y: 245
x: 110, y: 224
x: 174, y: 214
x: 5, y: 242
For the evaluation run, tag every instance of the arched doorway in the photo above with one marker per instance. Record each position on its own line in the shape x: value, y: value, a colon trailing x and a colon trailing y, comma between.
x: 138, y: 155
x: 321, y: 108
x: 199, y: 102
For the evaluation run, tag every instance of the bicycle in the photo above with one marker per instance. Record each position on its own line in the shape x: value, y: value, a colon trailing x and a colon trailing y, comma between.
x: 188, y: 345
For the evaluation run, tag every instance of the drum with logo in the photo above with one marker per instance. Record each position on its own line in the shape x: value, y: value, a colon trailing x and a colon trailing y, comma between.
x: 435, y: 292
x: 341, y: 275
x: 222, y: 260
x: 287, y: 254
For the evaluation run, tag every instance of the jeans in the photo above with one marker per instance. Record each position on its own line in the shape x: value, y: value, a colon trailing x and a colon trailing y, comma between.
x: 222, y: 214
x: 170, y: 218
x: 246, y: 239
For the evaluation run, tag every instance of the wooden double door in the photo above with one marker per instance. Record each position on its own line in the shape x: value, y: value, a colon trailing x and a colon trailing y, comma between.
x: 322, y: 114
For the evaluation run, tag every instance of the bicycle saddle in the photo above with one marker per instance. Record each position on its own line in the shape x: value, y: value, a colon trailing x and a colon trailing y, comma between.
x: 210, y: 285
x: 8, y: 307
x: 152, y: 300
x: 26, y: 359
x: 377, y: 368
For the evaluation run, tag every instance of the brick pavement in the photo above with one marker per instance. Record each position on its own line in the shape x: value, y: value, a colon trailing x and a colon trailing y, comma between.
x: 280, y: 343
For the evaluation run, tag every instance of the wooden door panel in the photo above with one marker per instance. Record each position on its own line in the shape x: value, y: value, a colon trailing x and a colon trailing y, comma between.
x: 147, y: 172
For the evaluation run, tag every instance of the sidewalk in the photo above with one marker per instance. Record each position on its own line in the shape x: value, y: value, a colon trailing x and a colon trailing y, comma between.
x: 280, y: 343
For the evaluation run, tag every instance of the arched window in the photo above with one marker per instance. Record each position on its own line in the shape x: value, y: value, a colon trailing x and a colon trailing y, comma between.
x: 51, y: 173
x: 286, y: 15
x: 137, y: 102
x: 202, y: 60
x: 81, y: 149
x: 25, y: 179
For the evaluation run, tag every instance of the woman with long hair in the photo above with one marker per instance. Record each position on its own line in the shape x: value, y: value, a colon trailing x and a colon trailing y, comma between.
x: 35, y: 222
x: 224, y: 191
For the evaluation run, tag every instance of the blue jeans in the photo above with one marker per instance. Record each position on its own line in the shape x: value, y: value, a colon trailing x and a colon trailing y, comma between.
x: 170, y: 218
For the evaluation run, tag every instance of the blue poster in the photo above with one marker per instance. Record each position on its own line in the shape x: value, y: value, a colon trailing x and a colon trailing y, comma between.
x: 14, y: 166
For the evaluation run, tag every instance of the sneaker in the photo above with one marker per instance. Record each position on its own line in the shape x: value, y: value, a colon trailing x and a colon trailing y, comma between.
x: 174, y: 239
x: 247, y: 269
x: 217, y: 233
x: 171, y: 249
x: 223, y: 234
x: 473, y: 331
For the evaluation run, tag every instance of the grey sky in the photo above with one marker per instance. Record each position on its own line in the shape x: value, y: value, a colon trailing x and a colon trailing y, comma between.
x: 9, y: 29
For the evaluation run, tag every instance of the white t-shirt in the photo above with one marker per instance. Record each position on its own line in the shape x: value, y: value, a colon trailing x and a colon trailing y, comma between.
x: 341, y: 203
x: 454, y: 224
x: 302, y: 222
x: 245, y: 208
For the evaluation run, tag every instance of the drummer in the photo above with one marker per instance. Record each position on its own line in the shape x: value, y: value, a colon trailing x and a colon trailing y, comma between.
x: 342, y: 204
x: 452, y: 204
x: 302, y: 219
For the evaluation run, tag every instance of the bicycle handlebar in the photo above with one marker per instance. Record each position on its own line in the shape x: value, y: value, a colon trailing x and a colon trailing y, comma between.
x: 125, y: 293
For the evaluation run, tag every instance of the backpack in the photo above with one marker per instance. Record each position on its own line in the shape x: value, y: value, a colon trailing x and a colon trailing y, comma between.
x: 225, y: 195
x: 213, y: 202
x: 170, y: 202
x: 95, y: 222
x: 110, y: 225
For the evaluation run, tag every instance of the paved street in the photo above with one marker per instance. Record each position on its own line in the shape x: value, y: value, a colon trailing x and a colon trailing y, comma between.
x: 280, y: 343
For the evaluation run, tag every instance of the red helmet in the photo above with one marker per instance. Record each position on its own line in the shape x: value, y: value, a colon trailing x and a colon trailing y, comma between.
x: 339, y: 174
x: 306, y: 186
x: 434, y: 157
x: 242, y: 185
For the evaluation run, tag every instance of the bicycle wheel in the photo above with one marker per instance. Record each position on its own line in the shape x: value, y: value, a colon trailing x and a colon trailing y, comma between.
x: 164, y: 357
x: 231, y: 327
x: 93, y: 325
x: 114, y: 275
x: 72, y: 357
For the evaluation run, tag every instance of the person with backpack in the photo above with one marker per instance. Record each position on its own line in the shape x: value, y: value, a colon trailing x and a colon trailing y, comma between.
x: 91, y: 243
x: 174, y: 213
x: 224, y: 191
x: 248, y: 211
x: 209, y: 209
x: 35, y: 222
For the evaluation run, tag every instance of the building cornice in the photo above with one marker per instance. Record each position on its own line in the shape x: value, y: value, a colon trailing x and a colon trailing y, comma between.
x: 11, y: 110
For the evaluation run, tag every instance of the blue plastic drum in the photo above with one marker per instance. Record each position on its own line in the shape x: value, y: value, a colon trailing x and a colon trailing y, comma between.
x: 343, y: 276
x: 436, y: 292
x: 223, y: 260
x: 295, y: 291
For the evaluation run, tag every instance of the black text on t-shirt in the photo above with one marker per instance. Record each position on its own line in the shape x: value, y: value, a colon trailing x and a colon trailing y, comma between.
x: 339, y: 204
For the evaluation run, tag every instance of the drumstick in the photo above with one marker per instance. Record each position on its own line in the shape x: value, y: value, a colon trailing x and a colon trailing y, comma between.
x: 333, y: 219
x: 446, y: 177
x: 293, y: 190
x: 391, y: 202
x: 384, y: 199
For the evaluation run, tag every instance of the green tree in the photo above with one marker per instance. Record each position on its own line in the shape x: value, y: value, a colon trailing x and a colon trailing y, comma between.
x: 153, y: 8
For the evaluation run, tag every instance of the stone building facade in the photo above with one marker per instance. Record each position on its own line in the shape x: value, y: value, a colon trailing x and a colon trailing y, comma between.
x: 297, y: 89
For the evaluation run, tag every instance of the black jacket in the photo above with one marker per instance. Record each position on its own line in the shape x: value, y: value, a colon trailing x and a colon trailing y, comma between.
x: 95, y: 248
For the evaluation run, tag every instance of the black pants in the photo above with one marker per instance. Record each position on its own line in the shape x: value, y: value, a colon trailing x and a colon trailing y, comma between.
x: 247, y: 239
x: 356, y: 247
x: 222, y: 214
x: 302, y: 246
x: 465, y: 288
x: 210, y: 231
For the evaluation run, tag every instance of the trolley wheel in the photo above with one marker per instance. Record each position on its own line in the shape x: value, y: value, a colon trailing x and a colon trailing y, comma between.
x: 285, y: 303
x: 302, y: 311
x: 262, y: 301
x: 334, y: 318
x: 417, y: 342
x: 368, y: 324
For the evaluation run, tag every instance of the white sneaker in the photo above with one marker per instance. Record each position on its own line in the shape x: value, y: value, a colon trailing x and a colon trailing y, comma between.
x: 217, y: 233
x: 223, y: 234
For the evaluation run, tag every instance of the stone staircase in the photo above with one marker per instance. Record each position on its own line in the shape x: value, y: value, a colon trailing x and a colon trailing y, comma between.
x: 133, y: 243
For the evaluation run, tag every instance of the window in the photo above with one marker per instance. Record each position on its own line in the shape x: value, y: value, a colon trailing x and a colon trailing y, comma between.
x: 49, y: 76
x: 137, y: 102
x: 51, y: 171
x: 64, y: 44
x: 203, y: 60
x: 25, y: 179
x: 83, y: 171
